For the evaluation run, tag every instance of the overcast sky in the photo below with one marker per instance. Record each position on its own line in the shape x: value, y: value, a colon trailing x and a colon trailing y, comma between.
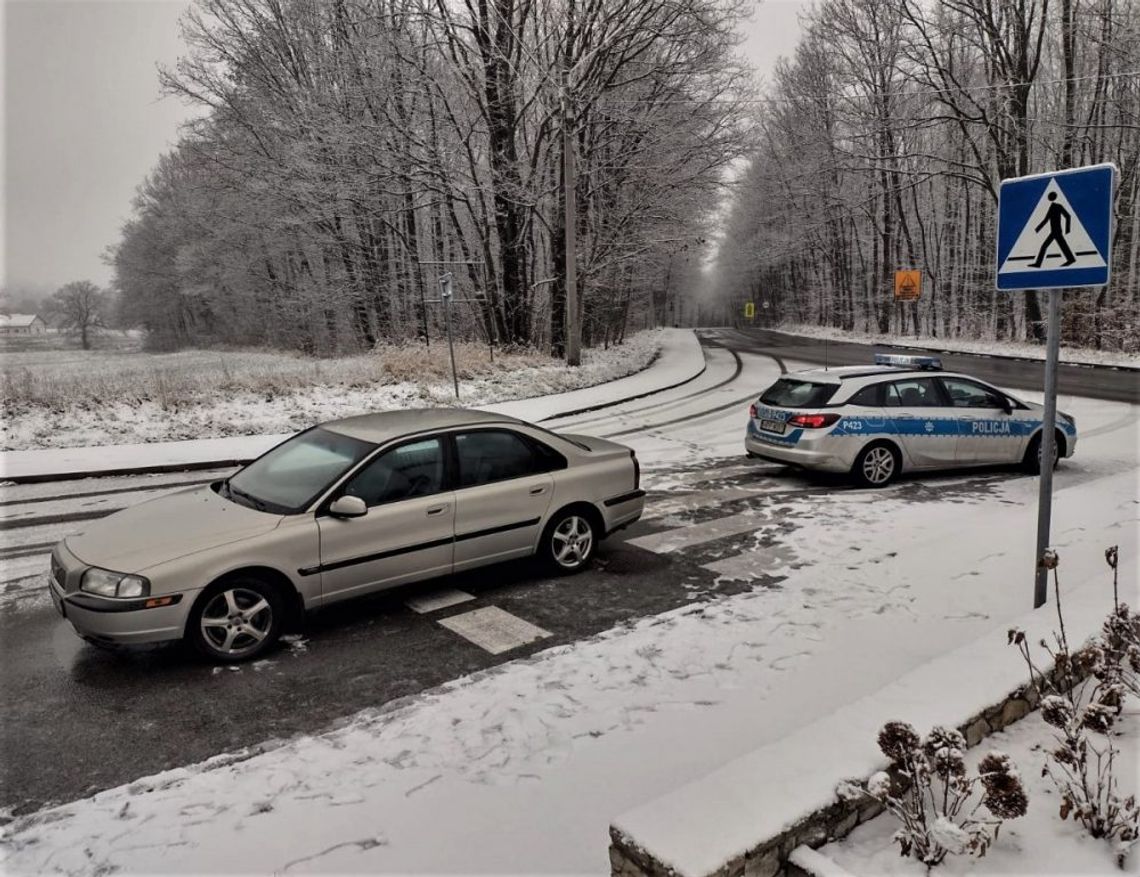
x: 84, y: 122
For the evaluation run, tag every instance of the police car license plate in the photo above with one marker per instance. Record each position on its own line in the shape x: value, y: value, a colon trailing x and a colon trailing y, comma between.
x: 777, y: 426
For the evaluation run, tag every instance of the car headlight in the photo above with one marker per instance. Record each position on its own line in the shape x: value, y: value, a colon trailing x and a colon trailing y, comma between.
x: 113, y: 584
x: 1068, y: 418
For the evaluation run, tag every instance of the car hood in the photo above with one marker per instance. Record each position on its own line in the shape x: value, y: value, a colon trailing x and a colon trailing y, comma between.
x: 167, y: 528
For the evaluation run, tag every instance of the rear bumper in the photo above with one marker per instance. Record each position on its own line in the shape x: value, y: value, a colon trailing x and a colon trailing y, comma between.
x: 622, y: 510
x: 824, y: 454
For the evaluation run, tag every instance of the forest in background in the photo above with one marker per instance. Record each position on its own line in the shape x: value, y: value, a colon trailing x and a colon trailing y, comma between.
x: 881, y: 144
x: 349, y: 152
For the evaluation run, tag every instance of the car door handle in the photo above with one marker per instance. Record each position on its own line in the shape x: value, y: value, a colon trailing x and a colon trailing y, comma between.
x: 535, y: 491
x: 437, y: 510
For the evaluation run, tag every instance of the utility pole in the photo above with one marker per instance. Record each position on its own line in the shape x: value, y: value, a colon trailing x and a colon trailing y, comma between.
x: 570, y: 191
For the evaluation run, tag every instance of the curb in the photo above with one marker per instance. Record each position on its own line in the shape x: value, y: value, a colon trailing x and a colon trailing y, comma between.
x: 1068, y: 363
x: 603, y: 405
x: 153, y: 469
x: 159, y: 468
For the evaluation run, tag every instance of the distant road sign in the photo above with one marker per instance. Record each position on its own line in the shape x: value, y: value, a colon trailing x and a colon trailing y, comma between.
x: 766, y: 305
x: 1055, y: 229
x: 750, y: 309
x: 908, y: 285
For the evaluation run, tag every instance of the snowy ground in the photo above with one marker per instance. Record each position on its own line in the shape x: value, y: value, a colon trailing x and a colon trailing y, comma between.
x: 521, y: 769
x: 103, y: 398
x: 965, y: 345
x: 1038, y: 843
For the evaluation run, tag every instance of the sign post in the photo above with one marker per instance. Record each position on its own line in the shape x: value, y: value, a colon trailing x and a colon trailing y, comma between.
x: 445, y: 294
x: 1054, y: 231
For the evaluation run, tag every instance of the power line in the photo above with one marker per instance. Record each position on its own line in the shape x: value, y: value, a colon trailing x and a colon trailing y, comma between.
x: 779, y: 101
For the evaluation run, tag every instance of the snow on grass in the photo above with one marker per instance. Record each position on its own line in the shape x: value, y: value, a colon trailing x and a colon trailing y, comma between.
x: 65, y: 398
x: 1038, y: 843
x: 967, y: 345
x: 523, y: 767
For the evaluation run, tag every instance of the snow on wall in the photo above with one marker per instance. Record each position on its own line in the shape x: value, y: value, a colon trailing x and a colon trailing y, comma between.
x: 748, y: 816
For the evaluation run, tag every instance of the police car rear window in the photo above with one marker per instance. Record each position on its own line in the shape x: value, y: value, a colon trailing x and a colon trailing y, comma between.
x: 793, y: 393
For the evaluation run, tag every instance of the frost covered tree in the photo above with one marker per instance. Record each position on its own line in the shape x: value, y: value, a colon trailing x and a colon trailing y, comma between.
x: 350, y: 151
x: 884, y: 138
x: 77, y: 308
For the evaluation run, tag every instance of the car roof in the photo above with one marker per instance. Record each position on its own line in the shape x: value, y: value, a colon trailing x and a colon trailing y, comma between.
x: 386, y: 425
x: 849, y: 372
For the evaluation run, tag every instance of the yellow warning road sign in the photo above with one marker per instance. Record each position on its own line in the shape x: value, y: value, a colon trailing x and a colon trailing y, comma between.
x: 750, y: 309
x: 908, y: 285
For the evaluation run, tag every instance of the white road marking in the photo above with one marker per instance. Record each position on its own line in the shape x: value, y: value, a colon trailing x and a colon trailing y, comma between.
x: 696, y: 534
x: 12, y: 568
x: 494, y: 629
x: 440, y: 599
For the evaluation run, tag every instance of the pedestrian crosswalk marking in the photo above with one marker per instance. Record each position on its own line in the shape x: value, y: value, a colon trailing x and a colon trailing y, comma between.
x: 493, y: 629
x: 436, y: 600
x: 1053, y: 238
x: 696, y: 534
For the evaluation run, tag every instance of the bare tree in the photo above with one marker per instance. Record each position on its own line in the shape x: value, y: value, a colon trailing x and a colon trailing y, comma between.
x: 77, y: 307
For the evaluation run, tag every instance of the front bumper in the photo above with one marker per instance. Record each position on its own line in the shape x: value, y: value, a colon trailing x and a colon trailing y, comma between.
x: 107, y: 620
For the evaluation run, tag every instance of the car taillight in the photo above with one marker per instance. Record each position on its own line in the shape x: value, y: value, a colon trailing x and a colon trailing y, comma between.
x: 636, y: 471
x: 813, y: 421
x: 752, y: 411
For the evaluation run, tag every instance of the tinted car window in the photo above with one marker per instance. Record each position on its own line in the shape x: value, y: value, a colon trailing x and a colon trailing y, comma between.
x: 967, y: 394
x: 914, y: 393
x: 794, y: 393
x: 867, y: 396
x: 494, y: 455
x: 405, y: 472
x: 293, y: 474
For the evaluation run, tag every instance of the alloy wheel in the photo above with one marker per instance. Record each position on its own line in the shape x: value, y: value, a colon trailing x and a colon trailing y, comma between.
x: 572, y: 541
x: 236, y: 622
x: 878, y: 465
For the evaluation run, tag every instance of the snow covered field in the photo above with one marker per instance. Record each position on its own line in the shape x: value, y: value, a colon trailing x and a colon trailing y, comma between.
x: 68, y: 398
x: 520, y: 769
x: 963, y: 345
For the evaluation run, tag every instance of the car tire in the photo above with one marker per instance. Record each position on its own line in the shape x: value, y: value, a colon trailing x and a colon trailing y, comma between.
x: 236, y: 620
x: 877, y: 465
x: 569, y: 541
x: 1031, y: 463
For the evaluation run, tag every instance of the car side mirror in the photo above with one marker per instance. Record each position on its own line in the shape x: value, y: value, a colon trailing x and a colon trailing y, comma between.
x: 348, y: 507
x: 1006, y: 405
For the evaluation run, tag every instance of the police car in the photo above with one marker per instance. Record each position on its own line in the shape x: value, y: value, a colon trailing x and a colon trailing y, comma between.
x: 902, y: 414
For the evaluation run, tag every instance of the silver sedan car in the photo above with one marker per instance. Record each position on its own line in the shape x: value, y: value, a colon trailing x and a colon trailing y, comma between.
x: 341, y: 510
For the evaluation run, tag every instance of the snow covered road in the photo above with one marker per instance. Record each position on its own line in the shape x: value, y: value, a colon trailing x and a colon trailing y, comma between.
x: 749, y: 601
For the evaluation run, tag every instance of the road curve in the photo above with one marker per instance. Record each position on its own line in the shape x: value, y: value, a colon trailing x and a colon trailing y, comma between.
x: 1115, y: 385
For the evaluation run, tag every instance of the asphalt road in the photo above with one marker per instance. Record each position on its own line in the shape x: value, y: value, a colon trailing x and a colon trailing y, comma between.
x: 1116, y: 385
x: 77, y: 719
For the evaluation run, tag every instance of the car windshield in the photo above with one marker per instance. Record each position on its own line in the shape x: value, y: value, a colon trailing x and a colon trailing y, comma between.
x: 287, y: 479
x: 794, y: 393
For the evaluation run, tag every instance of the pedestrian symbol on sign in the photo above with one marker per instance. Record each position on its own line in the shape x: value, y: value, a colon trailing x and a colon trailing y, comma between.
x: 1053, y: 217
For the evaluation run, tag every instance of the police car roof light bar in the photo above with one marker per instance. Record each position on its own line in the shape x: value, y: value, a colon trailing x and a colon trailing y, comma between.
x: 899, y: 360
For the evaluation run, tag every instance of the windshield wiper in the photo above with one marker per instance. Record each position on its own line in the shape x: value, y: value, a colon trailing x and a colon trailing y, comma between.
x: 252, y: 501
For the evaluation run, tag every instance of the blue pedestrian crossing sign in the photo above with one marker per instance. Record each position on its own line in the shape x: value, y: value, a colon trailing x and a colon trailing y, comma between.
x: 1055, y: 229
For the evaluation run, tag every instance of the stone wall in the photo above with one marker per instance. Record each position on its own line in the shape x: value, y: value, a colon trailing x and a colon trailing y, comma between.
x: 769, y: 857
